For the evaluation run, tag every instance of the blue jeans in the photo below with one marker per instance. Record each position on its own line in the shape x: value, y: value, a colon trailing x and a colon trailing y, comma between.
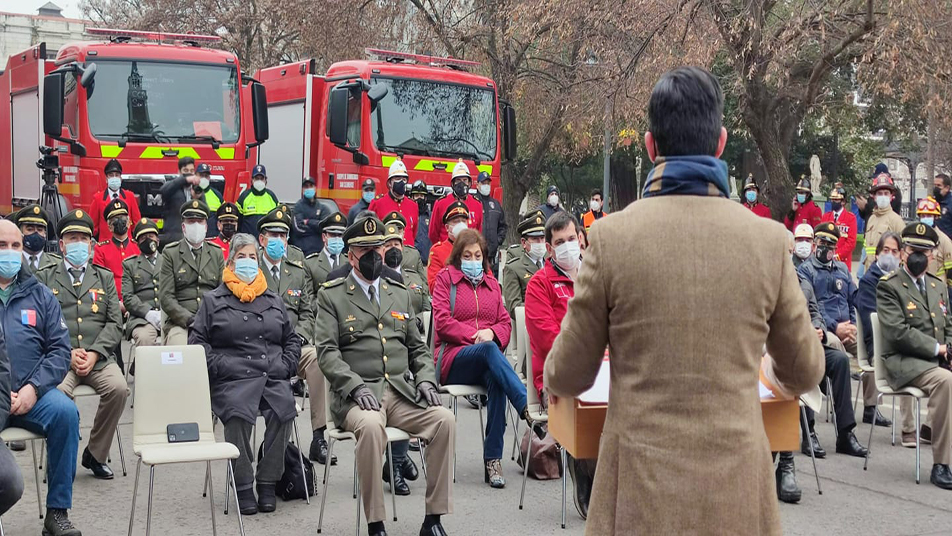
x: 484, y: 364
x: 56, y: 417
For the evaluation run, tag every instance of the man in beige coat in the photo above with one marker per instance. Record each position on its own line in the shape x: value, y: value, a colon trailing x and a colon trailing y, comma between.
x: 684, y: 450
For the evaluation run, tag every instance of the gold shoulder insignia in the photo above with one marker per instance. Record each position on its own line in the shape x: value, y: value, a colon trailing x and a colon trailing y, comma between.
x: 294, y: 263
x: 395, y: 283
x: 887, y: 276
x: 333, y: 283
x: 313, y: 255
x: 103, y: 243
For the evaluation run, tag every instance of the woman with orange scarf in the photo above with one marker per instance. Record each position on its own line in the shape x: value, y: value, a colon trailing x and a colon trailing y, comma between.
x: 252, y: 352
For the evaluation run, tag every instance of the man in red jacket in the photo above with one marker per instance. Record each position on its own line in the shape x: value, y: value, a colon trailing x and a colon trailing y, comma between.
x: 846, y: 223
x: 456, y: 214
x: 396, y: 200
x: 752, y: 198
x: 110, y: 253
x: 113, y: 191
x: 547, y: 297
x: 461, y: 181
x: 803, y: 209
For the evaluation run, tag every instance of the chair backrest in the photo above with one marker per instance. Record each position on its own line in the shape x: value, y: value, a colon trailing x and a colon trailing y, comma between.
x: 878, y: 364
x: 171, y: 388
x: 532, y: 396
x: 327, y: 406
x: 522, y: 340
x: 425, y: 316
x: 861, y: 355
x: 502, y: 264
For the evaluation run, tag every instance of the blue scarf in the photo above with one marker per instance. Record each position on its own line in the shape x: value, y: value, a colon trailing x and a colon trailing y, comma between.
x: 688, y: 175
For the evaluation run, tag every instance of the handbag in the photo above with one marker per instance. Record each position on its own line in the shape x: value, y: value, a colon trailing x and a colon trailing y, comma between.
x: 544, y: 463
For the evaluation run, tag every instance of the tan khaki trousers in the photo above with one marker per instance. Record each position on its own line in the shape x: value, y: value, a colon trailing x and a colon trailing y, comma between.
x: 175, y: 336
x: 145, y: 336
x: 937, y: 384
x: 434, y: 425
x: 309, y: 369
x: 112, y: 390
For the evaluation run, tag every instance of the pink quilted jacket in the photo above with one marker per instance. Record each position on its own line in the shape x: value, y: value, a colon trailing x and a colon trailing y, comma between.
x: 477, y: 308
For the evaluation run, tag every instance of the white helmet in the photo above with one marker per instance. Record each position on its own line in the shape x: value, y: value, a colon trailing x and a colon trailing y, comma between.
x: 398, y: 169
x: 461, y: 170
x: 803, y: 231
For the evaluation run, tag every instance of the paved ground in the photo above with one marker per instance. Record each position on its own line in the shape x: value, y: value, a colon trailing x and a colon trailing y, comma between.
x: 884, y: 500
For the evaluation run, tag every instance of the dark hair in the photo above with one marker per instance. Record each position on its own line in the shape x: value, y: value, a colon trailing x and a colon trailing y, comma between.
x: 946, y: 180
x: 886, y: 236
x: 598, y: 192
x: 464, y: 240
x: 184, y: 161
x: 685, y: 112
x: 558, y: 221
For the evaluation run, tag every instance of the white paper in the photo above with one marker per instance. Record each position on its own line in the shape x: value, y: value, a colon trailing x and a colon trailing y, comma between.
x: 172, y: 358
x: 598, y: 394
x: 765, y: 392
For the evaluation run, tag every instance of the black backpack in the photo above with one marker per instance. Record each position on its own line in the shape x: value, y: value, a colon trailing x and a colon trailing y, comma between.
x: 289, y: 486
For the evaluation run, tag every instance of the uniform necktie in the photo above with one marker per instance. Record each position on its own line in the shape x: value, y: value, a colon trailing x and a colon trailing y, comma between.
x: 922, y: 287
x: 275, y: 272
x: 115, y: 195
x: 372, y: 292
x: 33, y: 263
x: 196, y: 252
x: 77, y: 276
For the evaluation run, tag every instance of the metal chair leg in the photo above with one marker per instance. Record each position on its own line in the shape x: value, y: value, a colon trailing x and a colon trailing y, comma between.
x: 297, y: 439
x: 423, y: 457
x: 515, y: 434
x: 355, y: 477
x: 564, y: 463
x: 893, y: 428
x: 829, y: 391
x: 135, y: 493
x: 482, y: 424
x: 42, y: 454
x: 453, y: 402
x: 148, y: 517
x: 231, y: 474
x: 393, y: 491
x: 327, y: 468
x: 36, y: 475
x: 357, y: 486
x: 207, y: 474
x: 525, y: 470
x: 803, y: 414
x: 211, y: 496
x: 918, y: 451
x: 122, y: 456
x: 869, y: 443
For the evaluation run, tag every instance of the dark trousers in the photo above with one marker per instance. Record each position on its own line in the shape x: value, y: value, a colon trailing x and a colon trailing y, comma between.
x: 11, y: 480
x: 838, y: 371
x: 271, y: 464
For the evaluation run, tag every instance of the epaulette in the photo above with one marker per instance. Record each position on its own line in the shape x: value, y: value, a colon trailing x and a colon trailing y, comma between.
x: 313, y: 255
x: 510, y: 258
x: 207, y: 242
x: 294, y: 263
x: 131, y: 257
x: 48, y: 267
x: 888, y: 276
x: 933, y: 276
x: 54, y: 255
x: 411, y: 247
x: 292, y: 246
x: 102, y: 243
x: 171, y: 245
x: 333, y: 282
x: 395, y: 283
x: 100, y: 266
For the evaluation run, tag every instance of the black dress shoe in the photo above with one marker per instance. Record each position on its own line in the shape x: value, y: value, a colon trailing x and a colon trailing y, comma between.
x: 100, y: 470
x: 400, y: 486
x: 297, y: 388
x: 818, y: 451
x: 941, y: 476
x: 846, y: 443
x: 318, y: 451
x: 787, y: 489
x: 870, y: 411
x: 432, y: 530
x: 409, y: 470
x: 582, y: 478
x: 267, y: 501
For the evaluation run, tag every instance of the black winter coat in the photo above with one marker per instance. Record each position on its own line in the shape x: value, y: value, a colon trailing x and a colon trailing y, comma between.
x: 252, y: 352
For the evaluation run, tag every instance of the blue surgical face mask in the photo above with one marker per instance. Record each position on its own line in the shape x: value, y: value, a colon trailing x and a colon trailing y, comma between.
x: 246, y: 269
x: 77, y: 253
x: 751, y: 196
x: 368, y: 195
x: 472, y: 269
x: 10, y: 260
x: 928, y: 220
x: 801, y: 198
x: 276, y: 248
x: 309, y: 193
x: 335, y: 245
x: 114, y: 183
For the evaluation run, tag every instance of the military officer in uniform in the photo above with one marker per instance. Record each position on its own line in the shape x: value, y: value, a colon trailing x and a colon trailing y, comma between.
x: 329, y: 258
x: 190, y: 267
x: 395, y: 254
x: 34, y: 223
x: 913, y: 314
x: 227, y: 215
x: 367, y: 342
x: 523, y: 260
x: 110, y: 253
x: 140, y: 287
x: 411, y: 259
x: 87, y: 295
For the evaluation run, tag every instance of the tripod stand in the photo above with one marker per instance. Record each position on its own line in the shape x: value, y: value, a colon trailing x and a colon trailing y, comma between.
x: 50, y: 200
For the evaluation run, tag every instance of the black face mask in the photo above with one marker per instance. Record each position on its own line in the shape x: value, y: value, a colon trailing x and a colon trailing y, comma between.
x: 370, y: 265
x: 917, y: 263
x: 120, y: 226
x: 399, y: 188
x: 421, y: 205
x: 825, y: 254
x: 460, y: 189
x: 34, y: 242
x: 936, y: 192
x: 836, y: 206
x: 393, y: 257
x: 228, y: 230
x: 148, y: 246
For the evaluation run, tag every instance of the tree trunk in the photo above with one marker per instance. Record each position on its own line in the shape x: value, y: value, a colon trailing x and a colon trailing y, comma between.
x: 513, y: 192
x: 778, y: 185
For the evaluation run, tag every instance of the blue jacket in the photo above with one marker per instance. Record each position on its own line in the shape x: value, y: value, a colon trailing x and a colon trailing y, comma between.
x: 834, y: 289
x: 32, y: 317
x: 944, y: 223
x: 306, y: 232
x: 5, y: 401
x: 866, y: 303
x: 422, y: 243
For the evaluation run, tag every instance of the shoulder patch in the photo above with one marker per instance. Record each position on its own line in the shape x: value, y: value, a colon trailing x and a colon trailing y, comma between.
x: 333, y: 282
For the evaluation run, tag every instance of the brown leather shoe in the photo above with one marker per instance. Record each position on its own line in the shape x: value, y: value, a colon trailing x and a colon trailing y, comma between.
x: 909, y: 440
x: 925, y: 435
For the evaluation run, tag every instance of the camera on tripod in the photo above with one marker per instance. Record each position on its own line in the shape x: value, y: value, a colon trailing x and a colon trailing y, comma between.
x: 49, y: 163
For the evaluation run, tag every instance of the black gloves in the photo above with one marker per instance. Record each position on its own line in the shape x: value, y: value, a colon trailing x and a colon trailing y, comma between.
x: 365, y: 399
x: 427, y: 392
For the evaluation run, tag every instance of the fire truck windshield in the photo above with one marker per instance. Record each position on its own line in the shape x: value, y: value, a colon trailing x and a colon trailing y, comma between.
x: 433, y: 118
x: 138, y: 100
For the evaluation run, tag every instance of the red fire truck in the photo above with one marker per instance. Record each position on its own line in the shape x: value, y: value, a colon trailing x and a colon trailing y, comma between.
x: 144, y: 98
x: 352, y: 122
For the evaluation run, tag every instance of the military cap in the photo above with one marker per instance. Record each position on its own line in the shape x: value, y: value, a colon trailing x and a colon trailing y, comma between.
x: 75, y: 221
x: 827, y: 231
x: 533, y: 224
x: 33, y: 214
x: 928, y: 206
x: 918, y: 235
x: 395, y: 217
x: 749, y: 183
x: 278, y: 221
x: 144, y: 226
x: 195, y: 208
x: 227, y: 211
x: 365, y: 232
x: 456, y: 209
x: 116, y: 207
x: 883, y: 180
x: 335, y: 223
x: 113, y: 166
x: 804, y: 185
x: 392, y: 230
x: 803, y: 231
x: 203, y: 168
x: 838, y: 193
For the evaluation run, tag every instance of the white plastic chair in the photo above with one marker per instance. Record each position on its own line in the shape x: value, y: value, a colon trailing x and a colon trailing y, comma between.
x: 21, y: 434
x: 884, y: 389
x: 184, y: 367
x: 865, y: 367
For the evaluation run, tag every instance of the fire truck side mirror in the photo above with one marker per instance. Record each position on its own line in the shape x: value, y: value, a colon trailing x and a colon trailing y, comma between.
x: 88, y: 79
x: 53, y: 85
x: 259, y: 109
x: 508, y: 131
x: 337, y: 116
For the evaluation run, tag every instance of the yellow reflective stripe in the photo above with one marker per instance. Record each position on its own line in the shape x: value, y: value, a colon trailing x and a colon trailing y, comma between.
x: 226, y: 153
x: 386, y: 161
x: 110, y: 151
x: 156, y: 152
x: 426, y: 164
x: 871, y: 250
x: 211, y: 199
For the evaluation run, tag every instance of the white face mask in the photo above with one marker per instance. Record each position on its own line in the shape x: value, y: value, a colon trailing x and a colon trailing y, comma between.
x: 803, y: 249
x: 457, y: 229
x: 484, y: 189
x: 554, y: 200
x: 203, y: 183
x: 594, y: 205
x: 883, y: 201
x: 195, y: 232
x: 258, y: 185
x: 567, y: 255
x: 536, y: 251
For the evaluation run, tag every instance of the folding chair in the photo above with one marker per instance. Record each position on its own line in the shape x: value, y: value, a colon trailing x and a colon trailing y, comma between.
x: 20, y: 434
x: 862, y: 357
x: 522, y: 348
x: 815, y: 395
x: 882, y: 385
x: 184, y: 367
x: 82, y: 390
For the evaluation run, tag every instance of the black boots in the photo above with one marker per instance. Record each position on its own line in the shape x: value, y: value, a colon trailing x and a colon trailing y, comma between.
x: 846, y: 443
x: 318, y: 452
x: 267, y: 501
x: 818, y: 451
x: 247, y: 504
x: 57, y: 523
x: 400, y: 486
x: 787, y: 489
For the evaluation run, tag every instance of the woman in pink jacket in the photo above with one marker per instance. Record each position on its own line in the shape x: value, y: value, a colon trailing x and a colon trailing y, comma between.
x: 472, y: 328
